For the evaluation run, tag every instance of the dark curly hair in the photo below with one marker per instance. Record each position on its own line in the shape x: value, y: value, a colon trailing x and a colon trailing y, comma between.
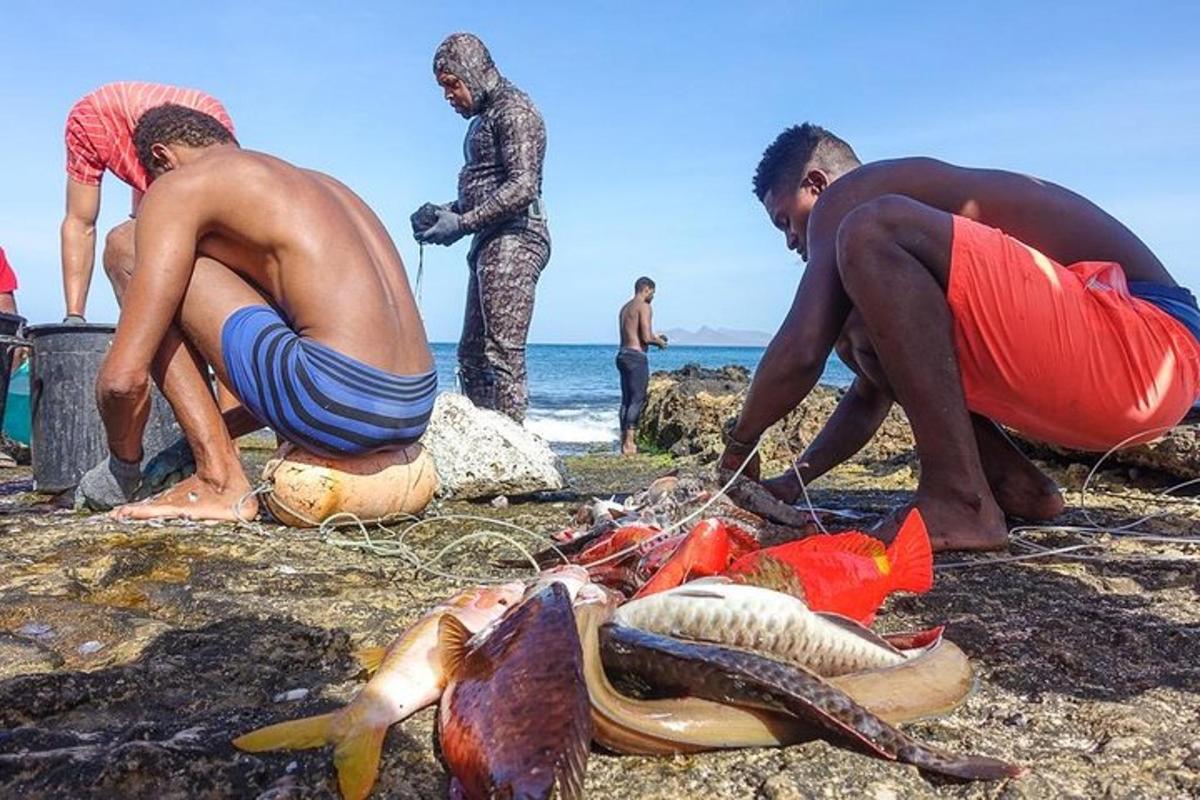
x: 171, y: 124
x: 797, y: 148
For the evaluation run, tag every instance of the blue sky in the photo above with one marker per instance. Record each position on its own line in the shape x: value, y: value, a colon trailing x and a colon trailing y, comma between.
x: 657, y: 114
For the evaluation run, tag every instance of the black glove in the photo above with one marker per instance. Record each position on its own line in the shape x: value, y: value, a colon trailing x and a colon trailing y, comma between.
x: 446, y: 230
x: 423, y: 219
x: 74, y: 319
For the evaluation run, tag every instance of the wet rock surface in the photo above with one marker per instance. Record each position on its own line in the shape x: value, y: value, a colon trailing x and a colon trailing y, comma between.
x: 686, y: 409
x: 1089, y: 671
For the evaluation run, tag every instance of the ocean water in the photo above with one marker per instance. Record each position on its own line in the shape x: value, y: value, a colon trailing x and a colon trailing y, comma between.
x: 574, y: 390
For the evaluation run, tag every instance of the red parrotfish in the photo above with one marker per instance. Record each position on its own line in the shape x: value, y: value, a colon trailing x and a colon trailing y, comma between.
x: 625, y: 538
x: 844, y: 573
x: 708, y: 550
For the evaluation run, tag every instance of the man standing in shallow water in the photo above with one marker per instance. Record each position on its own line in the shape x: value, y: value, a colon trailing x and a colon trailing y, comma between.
x: 234, y: 257
x: 634, y: 367
x: 499, y: 201
x: 944, y: 288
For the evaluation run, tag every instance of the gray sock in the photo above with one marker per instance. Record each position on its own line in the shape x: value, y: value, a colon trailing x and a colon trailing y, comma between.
x: 110, y: 483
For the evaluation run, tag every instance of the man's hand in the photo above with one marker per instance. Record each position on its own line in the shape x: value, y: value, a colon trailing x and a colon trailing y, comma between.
x: 423, y: 219
x: 445, y: 231
x: 109, y: 484
x: 730, y: 461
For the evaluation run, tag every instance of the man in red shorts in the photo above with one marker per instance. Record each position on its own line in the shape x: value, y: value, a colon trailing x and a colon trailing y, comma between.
x: 971, y: 297
x: 99, y: 137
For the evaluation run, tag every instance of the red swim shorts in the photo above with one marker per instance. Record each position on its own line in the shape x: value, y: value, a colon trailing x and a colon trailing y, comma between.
x: 1064, y: 354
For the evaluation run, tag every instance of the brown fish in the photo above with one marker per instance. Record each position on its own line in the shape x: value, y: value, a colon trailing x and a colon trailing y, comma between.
x: 514, y: 720
x: 727, y: 675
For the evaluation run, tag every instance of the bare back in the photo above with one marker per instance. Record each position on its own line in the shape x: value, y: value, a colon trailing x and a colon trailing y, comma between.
x: 308, y: 243
x: 1061, y: 224
x: 630, y: 321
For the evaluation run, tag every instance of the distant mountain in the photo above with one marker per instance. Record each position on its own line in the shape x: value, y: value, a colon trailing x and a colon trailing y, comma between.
x: 718, y: 337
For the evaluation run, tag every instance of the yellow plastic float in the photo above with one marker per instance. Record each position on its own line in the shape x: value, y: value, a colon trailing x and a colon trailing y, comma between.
x: 307, y: 489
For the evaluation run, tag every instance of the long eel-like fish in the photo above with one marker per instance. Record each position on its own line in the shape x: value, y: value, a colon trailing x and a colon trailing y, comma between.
x: 933, y: 682
x: 727, y: 675
x: 768, y: 622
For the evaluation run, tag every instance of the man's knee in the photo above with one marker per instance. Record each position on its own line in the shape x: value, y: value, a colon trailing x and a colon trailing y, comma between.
x: 118, y: 252
x: 873, y: 226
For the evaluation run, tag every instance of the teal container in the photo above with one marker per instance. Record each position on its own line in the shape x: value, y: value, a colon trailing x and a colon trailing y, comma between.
x: 16, y: 409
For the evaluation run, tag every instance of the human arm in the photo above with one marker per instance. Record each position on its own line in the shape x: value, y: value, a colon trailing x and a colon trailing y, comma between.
x: 795, y: 358
x: 646, y: 331
x: 520, y: 145
x: 169, y: 225
x: 78, y: 240
x: 857, y: 417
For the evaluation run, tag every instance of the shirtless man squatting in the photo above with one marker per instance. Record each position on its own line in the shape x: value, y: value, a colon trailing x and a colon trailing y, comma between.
x: 971, y: 297
x: 235, y: 255
x: 632, y: 364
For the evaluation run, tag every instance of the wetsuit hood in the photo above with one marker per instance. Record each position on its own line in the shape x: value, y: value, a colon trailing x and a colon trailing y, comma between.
x: 466, y: 57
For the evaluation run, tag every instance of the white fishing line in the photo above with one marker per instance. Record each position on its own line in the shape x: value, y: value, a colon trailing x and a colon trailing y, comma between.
x: 1103, y: 537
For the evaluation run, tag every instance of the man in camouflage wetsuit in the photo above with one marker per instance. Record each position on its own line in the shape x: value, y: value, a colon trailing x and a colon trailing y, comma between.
x: 499, y: 201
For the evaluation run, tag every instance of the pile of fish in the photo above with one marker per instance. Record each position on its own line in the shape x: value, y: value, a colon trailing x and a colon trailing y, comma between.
x: 714, y: 640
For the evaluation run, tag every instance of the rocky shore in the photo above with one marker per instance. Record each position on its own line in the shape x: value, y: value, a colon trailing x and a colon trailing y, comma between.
x: 131, y: 655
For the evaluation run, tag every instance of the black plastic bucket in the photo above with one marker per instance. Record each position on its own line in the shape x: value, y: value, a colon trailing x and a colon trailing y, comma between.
x: 68, y: 436
x: 10, y: 329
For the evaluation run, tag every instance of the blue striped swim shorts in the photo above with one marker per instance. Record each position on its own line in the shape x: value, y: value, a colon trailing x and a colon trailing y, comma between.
x: 314, y: 396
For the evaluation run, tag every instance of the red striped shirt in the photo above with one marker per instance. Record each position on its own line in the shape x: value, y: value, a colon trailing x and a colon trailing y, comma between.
x: 100, y: 128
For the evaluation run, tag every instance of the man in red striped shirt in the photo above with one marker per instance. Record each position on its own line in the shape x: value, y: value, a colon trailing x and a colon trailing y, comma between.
x: 99, y: 137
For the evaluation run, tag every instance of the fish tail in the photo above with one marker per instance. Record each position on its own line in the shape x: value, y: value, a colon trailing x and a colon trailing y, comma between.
x: 956, y: 766
x: 357, y: 744
x: 356, y: 758
x: 296, y: 734
x: 911, y: 557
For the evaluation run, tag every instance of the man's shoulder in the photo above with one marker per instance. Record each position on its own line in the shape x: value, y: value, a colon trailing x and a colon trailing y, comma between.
x: 510, y: 99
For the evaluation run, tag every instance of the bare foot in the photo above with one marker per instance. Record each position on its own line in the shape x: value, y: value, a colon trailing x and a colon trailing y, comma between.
x: 629, y: 449
x: 1020, y: 488
x: 196, y: 499
x: 953, y: 523
x: 628, y: 443
x: 1029, y: 496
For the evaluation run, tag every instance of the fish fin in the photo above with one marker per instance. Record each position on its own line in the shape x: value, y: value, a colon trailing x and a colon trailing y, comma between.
x: 296, y: 734
x: 852, y: 626
x: 356, y: 758
x: 911, y: 556
x: 370, y: 658
x: 452, y: 643
x: 569, y: 772
x: 852, y: 542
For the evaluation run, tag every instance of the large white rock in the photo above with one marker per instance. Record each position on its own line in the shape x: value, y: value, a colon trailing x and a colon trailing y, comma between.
x: 482, y: 453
